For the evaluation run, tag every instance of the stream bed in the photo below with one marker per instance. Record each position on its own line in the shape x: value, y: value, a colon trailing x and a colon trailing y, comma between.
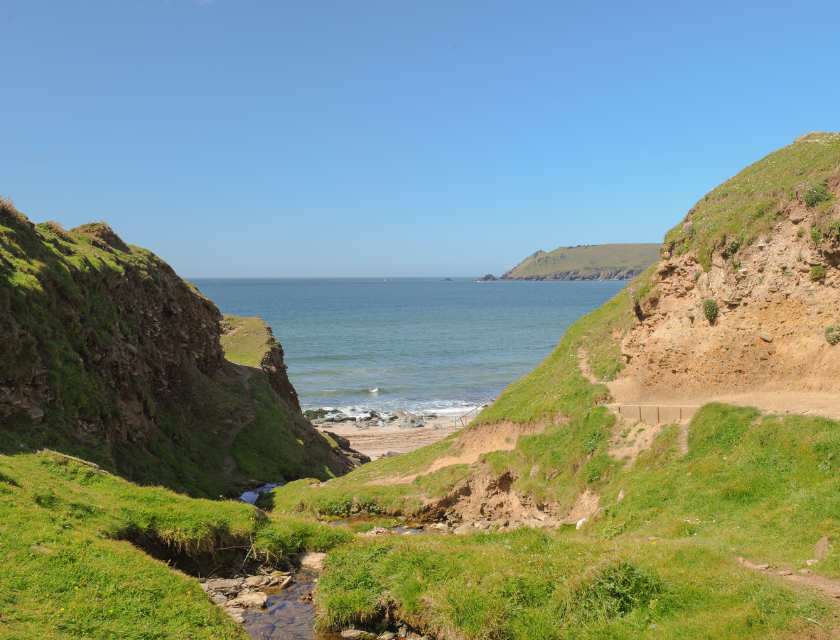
x: 289, y: 614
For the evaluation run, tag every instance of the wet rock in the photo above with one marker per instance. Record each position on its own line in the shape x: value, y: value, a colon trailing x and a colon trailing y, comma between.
x: 357, y: 634
x: 257, y: 581
x: 237, y: 613
x: 254, y: 600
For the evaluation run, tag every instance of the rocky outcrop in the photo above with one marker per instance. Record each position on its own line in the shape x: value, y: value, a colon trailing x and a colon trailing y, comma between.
x: 275, y: 370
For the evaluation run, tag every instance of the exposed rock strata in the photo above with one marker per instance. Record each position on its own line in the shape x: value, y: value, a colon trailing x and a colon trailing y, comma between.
x: 770, y: 331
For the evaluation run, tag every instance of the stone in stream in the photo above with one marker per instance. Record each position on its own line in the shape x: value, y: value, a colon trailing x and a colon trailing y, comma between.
x: 357, y: 634
x: 257, y: 581
x: 254, y: 600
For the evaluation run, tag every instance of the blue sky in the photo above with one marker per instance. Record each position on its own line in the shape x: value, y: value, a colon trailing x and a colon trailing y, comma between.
x: 247, y: 138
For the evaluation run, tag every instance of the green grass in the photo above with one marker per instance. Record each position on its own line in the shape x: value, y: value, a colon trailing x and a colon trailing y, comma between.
x: 531, y: 584
x: 616, y: 261
x: 744, y: 209
x: 68, y: 570
x: 246, y: 340
x: 776, y: 493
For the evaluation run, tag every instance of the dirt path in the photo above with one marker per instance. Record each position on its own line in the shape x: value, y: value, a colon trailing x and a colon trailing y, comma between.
x: 250, y: 415
x: 827, y: 586
x: 778, y: 400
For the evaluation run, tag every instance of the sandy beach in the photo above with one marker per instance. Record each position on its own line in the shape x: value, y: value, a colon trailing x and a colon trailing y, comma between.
x: 377, y: 441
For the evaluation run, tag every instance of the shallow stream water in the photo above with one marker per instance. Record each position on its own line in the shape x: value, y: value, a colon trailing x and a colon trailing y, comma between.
x: 288, y: 614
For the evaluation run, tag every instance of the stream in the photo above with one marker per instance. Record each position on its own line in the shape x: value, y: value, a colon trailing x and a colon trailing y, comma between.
x: 289, y: 614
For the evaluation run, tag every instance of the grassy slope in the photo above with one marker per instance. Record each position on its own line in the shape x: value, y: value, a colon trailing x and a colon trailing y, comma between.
x: 744, y: 208
x: 775, y: 495
x: 590, y: 258
x: 245, y: 340
x: 66, y: 571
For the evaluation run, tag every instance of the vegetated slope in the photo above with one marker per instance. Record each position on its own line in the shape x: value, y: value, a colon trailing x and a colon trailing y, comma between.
x: 69, y: 567
x: 108, y: 355
x: 587, y: 262
x: 665, y: 528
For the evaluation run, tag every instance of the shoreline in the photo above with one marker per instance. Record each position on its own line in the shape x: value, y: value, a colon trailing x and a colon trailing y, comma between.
x: 376, y: 441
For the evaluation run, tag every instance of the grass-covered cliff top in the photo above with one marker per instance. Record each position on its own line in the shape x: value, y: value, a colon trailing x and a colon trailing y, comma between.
x: 744, y: 209
x: 612, y: 260
x: 246, y: 340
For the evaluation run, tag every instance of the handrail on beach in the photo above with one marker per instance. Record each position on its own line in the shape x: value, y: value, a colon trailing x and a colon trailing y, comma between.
x: 481, y: 405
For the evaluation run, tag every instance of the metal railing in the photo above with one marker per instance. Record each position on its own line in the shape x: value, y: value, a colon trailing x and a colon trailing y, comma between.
x: 464, y: 418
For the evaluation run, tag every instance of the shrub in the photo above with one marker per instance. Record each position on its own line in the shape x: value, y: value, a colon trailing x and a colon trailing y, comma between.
x: 832, y: 334
x: 812, y: 196
x: 817, y: 272
x: 592, y: 440
x: 617, y: 590
x: 800, y: 232
x: 816, y: 235
x: 710, y: 310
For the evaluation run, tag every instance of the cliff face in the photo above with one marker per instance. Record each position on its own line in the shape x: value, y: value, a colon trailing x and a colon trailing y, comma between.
x: 773, y: 282
x: 109, y: 355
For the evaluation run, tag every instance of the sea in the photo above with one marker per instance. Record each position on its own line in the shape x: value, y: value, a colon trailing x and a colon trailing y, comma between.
x: 410, y: 344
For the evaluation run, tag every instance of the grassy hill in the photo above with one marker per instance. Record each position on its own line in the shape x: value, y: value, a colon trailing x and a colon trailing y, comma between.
x: 109, y: 356
x: 587, y: 262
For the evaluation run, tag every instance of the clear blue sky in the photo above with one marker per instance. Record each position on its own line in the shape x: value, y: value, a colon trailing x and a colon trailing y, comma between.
x: 396, y: 138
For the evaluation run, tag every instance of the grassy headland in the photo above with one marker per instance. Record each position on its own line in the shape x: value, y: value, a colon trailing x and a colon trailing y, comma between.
x: 587, y: 262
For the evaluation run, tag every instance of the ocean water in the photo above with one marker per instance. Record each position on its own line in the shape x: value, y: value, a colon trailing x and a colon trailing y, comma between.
x: 408, y: 343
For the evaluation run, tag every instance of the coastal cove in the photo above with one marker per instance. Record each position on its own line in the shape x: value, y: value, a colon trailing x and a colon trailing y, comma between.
x: 409, y: 344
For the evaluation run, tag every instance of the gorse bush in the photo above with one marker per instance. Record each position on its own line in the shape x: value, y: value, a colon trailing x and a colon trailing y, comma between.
x: 832, y: 334
x: 710, y: 310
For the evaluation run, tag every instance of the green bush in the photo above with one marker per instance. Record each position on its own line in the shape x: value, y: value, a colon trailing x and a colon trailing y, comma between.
x: 592, y: 440
x: 800, y: 232
x: 617, y: 590
x: 832, y: 334
x: 817, y: 272
x: 710, y: 310
x: 816, y: 234
x: 812, y: 196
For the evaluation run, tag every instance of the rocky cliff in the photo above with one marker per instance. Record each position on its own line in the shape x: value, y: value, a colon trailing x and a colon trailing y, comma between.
x: 747, y: 289
x: 109, y: 355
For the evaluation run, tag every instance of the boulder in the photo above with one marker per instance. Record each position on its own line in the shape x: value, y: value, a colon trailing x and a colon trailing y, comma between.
x: 410, y: 421
x: 464, y: 529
